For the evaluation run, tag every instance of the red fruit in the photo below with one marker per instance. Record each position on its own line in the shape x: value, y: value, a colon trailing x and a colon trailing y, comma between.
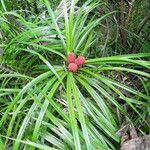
x: 72, y: 67
x: 71, y: 58
x: 80, y: 60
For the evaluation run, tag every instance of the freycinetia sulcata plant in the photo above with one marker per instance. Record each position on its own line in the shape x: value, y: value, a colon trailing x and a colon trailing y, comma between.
x: 45, y: 106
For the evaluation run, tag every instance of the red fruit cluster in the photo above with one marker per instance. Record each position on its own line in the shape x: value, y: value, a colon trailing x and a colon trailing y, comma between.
x: 74, y: 63
x: 71, y: 58
x: 80, y: 60
x: 72, y: 67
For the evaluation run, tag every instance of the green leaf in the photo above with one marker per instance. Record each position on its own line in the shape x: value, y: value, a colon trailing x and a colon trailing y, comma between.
x: 81, y: 114
x: 72, y: 113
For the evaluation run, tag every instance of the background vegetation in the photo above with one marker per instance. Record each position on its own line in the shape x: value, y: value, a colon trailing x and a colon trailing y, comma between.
x: 42, y: 105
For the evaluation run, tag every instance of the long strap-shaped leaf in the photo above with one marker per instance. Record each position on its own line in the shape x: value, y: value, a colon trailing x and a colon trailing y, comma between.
x: 105, y: 118
x: 29, y: 85
x: 125, y: 69
x: 44, y: 48
x: 122, y: 96
x: 44, y: 108
x: 27, y: 142
x: 80, y: 113
x: 29, y: 114
x: 51, y: 13
x: 3, y: 4
x: 60, y: 130
x: 72, y: 113
x: 47, y: 63
x: 100, y: 121
x: 120, y: 85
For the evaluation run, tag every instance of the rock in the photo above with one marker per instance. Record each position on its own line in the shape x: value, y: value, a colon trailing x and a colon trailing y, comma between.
x: 140, y: 143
